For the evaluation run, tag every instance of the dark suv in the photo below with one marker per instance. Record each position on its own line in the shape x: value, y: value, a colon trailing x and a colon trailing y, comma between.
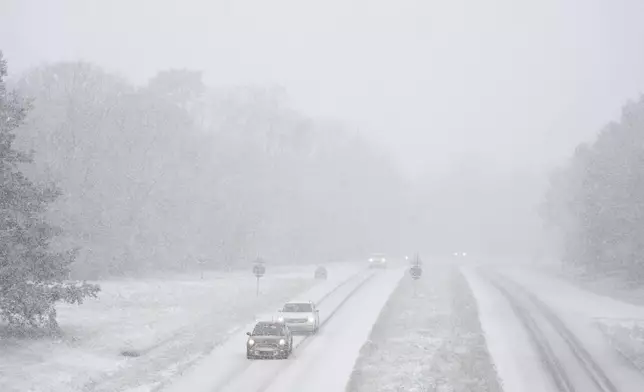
x: 269, y: 340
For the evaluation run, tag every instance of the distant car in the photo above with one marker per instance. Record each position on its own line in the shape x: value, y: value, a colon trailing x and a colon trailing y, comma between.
x: 269, y: 340
x: 300, y: 316
x: 320, y: 273
x: 460, y: 254
x: 377, y: 260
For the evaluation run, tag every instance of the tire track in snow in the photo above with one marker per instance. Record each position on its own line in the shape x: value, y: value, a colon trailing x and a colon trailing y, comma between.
x: 512, y: 291
x: 549, y: 359
x: 361, y: 274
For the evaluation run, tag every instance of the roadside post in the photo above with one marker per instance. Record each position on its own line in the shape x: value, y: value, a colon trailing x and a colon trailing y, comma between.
x: 416, y: 271
x: 201, y: 261
x: 259, y: 269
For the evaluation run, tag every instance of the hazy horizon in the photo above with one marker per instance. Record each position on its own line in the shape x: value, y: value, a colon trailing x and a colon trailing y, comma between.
x: 515, y: 84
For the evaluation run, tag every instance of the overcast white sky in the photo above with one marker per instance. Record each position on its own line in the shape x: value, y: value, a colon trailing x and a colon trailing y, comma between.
x: 520, y: 82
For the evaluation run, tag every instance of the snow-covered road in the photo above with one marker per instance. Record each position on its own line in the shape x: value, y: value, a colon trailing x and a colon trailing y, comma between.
x: 542, y: 334
x: 348, y: 310
x: 325, y: 363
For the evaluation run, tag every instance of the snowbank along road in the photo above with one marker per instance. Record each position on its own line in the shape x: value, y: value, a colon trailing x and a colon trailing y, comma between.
x: 348, y: 310
x: 568, y: 362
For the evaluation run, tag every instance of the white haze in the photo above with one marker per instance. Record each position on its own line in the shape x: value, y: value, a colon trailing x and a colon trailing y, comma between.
x: 505, y: 88
x: 188, y: 139
x: 518, y: 81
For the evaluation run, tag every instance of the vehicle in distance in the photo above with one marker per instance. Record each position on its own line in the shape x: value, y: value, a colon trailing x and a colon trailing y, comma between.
x: 377, y: 260
x: 320, y: 273
x: 300, y: 316
x: 269, y: 339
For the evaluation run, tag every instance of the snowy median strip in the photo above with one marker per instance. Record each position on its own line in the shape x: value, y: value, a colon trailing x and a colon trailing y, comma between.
x: 426, y: 338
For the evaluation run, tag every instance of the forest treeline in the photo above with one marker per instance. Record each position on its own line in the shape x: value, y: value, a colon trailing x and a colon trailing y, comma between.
x: 106, y: 178
x: 165, y: 175
x: 595, y: 202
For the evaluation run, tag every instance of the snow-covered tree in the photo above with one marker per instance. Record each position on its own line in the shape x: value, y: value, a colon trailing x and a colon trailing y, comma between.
x: 31, y: 273
x: 157, y: 176
x: 596, y: 200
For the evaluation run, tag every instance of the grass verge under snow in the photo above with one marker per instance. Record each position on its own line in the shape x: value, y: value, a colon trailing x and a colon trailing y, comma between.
x: 427, y: 338
x: 626, y: 337
x: 169, y: 323
x: 617, y: 285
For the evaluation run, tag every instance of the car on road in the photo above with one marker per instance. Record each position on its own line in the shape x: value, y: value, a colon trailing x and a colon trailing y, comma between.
x: 320, y: 273
x: 377, y: 260
x: 269, y: 339
x: 300, y: 316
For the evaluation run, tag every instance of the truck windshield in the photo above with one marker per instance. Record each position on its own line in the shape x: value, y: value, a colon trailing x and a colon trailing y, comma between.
x: 294, y: 308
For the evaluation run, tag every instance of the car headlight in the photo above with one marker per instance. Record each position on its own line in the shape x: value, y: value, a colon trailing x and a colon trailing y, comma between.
x: 280, y: 319
x: 371, y: 260
x: 282, y: 342
x: 311, y: 319
x: 383, y: 260
x: 251, y: 342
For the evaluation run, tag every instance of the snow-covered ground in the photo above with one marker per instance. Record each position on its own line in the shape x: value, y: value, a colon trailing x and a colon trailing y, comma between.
x: 427, y: 338
x: 594, y: 319
x: 617, y: 285
x: 321, y: 362
x: 169, y: 322
x: 581, y: 311
x: 626, y: 335
x: 517, y: 363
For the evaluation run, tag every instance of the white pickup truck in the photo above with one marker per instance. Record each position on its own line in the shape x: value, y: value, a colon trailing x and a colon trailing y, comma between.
x: 300, y: 316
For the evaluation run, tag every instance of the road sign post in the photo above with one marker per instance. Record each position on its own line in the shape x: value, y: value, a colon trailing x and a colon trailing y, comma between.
x: 258, y: 270
x: 415, y: 271
x: 201, y: 262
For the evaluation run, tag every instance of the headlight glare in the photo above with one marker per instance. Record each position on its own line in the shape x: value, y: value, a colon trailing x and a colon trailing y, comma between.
x: 311, y: 319
x: 282, y: 342
x: 251, y: 342
x: 280, y: 319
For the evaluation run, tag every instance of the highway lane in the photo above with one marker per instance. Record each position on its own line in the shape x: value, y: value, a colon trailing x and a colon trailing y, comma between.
x: 227, y: 369
x: 325, y: 363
